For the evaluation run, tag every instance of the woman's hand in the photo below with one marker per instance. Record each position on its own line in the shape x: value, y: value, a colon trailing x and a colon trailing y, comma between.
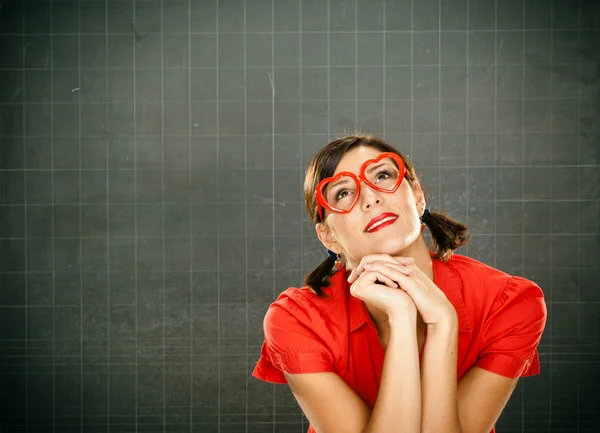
x: 432, y: 303
x: 379, y: 290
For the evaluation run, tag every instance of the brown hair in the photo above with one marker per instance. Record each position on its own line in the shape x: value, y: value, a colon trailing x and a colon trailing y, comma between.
x: 447, y: 234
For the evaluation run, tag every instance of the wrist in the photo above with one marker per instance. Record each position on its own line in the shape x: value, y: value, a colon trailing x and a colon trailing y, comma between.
x: 402, y: 321
x: 446, y: 326
x: 446, y: 319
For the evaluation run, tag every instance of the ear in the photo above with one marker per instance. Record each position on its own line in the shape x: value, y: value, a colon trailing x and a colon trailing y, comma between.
x: 419, y: 197
x: 327, y: 239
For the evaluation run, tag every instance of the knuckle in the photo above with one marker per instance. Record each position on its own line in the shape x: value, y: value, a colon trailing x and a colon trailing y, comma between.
x: 370, y: 258
x: 353, y: 289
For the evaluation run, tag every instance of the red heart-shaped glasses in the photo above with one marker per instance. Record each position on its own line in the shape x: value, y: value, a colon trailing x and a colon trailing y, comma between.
x: 389, y: 186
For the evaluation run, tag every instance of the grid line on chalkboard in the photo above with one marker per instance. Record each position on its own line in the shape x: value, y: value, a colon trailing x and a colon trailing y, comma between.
x: 467, y: 87
x: 439, y: 113
x: 384, y: 71
x: 328, y: 70
x: 539, y: 98
x: 356, y: 66
x: 247, y: 269
x: 162, y: 179
x: 262, y: 67
x: 308, y: 32
x: 217, y: 140
x: 301, y: 110
x: 522, y: 387
x: 412, y: 76
x: 80, y: 244
x: 272, y: 80
x: 52, y: 199
x: 551, y: 103
x: 135, y: 200
x: 109, y: 414
x: 24, y: 50
x: 191, y: 250
x: 578, y: 375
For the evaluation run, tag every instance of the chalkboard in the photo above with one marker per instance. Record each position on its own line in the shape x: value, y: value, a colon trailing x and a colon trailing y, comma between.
x: 152, y: 161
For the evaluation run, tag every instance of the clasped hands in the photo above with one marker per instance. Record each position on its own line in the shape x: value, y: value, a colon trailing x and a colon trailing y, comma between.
x: 397, y: 285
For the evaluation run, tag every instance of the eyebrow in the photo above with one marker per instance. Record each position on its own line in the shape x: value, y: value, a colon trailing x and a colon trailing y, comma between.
x: 372, y: 168
x: 338, y: 183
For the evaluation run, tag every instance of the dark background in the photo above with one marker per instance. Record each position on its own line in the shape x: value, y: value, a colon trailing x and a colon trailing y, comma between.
x: 152, y: 157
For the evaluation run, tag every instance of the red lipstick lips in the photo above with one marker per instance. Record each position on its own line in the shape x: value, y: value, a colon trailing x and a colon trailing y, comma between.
x: 381, y: 221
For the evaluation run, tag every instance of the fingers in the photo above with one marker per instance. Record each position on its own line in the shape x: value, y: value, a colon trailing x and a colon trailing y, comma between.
x: 408, y: 283
x: 395, y: 272
x: 381, y: 266
x: 369, y: 277
x: 405, y: 261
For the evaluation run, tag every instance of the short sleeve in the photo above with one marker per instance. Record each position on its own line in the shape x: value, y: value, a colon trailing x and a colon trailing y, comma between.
x: 290, y: 346
x: 512, y: 330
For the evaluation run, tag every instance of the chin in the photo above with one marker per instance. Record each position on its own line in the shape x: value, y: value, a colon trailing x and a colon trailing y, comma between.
x: 394, y: 246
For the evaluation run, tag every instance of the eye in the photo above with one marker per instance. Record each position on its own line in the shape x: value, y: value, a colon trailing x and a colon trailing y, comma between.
x: 342, y: 194
x: 382, y: 175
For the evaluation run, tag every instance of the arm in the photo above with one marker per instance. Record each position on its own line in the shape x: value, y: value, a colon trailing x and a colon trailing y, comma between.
x: 438, y: 379
x: 510, y: 339
x: 331, y: 406
x: 471, y: 407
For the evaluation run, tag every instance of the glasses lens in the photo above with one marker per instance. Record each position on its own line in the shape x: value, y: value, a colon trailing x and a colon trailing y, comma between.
x: 341, y: 193
x: 383, y: 174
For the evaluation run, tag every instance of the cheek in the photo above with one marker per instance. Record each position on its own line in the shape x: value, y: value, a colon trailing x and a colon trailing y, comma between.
x: 406, y: 199
x: 344, y: 227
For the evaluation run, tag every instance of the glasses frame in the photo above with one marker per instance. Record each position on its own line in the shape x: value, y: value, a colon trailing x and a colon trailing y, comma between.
x: 322, y: 203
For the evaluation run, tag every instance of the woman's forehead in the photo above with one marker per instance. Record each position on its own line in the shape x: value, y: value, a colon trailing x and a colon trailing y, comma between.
x: 353, y: 160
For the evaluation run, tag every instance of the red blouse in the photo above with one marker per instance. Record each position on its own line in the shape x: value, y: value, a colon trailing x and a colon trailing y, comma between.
x: 500, y: 317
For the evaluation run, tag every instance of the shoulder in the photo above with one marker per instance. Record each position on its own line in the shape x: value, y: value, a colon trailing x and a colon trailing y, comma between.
x: 473, y: 271
x: 487, y: 290
x: 303, y: 332
x: 300, y: 310
x: 489, y: 284
x: 508, y: 315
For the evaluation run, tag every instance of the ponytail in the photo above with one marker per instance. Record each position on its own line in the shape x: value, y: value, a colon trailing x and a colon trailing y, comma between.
x: 319, y: 277
x: 447, y: 234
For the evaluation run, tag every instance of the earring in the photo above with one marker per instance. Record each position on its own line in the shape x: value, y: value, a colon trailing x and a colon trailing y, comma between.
x: 424, y: 218
x: 336, y: 258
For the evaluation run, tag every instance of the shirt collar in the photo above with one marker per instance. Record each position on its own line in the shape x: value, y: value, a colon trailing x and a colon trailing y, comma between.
x: 444, y: 277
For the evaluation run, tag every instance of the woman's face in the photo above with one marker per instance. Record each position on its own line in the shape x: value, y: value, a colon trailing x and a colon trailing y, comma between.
x: 356, y: 234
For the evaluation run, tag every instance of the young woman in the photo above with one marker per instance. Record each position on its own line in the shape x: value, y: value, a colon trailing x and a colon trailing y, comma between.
x: 388, y: 336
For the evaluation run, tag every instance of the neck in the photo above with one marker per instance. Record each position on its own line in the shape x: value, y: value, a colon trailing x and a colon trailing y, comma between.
x: 418, y: 250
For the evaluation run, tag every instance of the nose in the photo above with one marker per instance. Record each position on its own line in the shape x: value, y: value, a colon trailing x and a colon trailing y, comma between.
x: 369, y: 197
